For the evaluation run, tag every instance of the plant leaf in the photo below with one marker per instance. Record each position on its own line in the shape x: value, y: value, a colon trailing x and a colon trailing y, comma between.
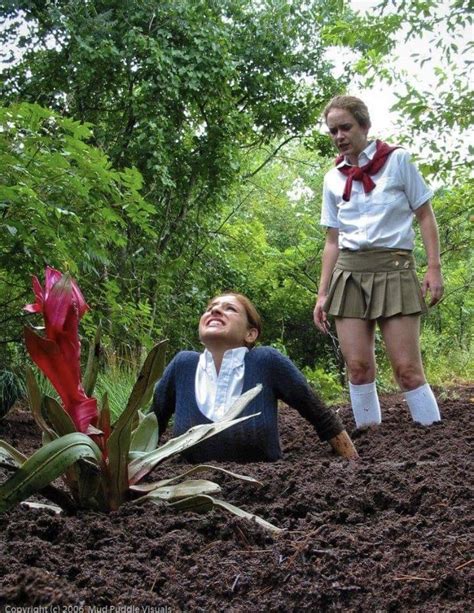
x: 157, y: 366
x: 198, y: 504
x: 90, y: 494
x: 149, y: 374
x: 118, y: 447
x: 63, y: 424
x: 45, y: 465
x: 118, y: 444
x: 148, y: 487
x: 104, y: 417
x: 203, y: 502
x: 50, y: 491
x: 241, y: 402
x: 92, y: 367
x: 40, y: 505
x: 145, y: 437
x: 140, y: 467
x: 35, y: 400
x: 10, y: 453
x: 192, y: 487
x: 60, y: 420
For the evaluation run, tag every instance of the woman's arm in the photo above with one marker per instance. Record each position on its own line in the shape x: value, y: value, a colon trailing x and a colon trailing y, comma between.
x: 330, y: 253
x: 433, y: 281
x: 291, y: 387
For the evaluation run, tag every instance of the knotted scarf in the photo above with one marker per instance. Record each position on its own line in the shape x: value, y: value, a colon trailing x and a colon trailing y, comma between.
x: 362, y: 173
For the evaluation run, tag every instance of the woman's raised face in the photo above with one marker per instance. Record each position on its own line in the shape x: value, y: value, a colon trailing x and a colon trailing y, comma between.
x: 348, y: 136
x: 224, y: 324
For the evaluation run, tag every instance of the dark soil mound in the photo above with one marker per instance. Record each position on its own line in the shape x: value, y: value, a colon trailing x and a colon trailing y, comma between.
x: 388, y: 533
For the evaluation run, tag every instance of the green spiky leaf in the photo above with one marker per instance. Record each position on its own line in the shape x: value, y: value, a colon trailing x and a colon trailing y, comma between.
x: 140, y: 467
x: 145, y: 437
x: 35, y: 401
x: 58, y: 417
x: 192, y: 487
x: 150, y: 372
x: 148, y: 487
x: 92, y: 367
x: 45, y: 465
x: 10, y: 453
x: 118, y: 444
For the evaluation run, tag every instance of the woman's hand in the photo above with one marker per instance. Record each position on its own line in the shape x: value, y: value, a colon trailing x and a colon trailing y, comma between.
x: 319, y: 316
x: 329, y: 258
x: 343, y: 446
x: 433, y: 283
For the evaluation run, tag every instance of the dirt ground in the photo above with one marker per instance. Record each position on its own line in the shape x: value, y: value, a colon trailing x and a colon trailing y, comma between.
x: 388, y: 533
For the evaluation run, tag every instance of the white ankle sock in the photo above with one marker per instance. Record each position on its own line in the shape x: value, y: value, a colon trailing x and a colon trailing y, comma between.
x: 365, y: 404
x: 422, y: 404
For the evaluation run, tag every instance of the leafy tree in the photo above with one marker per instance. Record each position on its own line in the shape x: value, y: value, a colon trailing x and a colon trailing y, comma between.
x: 435, y: 110
x: 61, y: 203
x: 174, y: 88
x: 184, y: 92
x: 193, y: 178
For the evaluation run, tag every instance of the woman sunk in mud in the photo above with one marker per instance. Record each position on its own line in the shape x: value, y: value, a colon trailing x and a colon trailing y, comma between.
x: 201, y: 388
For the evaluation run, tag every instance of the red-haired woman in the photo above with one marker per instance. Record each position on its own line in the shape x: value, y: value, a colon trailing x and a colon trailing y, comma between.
x: 201, y: 388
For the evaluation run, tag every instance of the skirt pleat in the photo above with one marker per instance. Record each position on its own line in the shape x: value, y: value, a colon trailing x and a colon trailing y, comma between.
x: 374, y: 284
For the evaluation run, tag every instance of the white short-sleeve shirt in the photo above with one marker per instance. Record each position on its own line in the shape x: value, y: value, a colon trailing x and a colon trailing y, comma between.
x: 383, y: 218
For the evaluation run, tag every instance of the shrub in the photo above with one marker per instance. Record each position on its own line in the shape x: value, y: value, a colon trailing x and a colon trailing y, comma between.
x: 12, y: 389
x: 326, y: 383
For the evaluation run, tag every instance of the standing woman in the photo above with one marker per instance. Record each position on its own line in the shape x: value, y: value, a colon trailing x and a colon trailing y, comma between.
x: 368, y: 271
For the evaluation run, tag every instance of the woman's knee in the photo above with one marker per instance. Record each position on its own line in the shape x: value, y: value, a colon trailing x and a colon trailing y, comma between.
x: 360, y: 371
x: 409, y: 376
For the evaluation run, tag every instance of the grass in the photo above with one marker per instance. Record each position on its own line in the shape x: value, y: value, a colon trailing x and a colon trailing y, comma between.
x: 117, y: 382
x: 12, y: 388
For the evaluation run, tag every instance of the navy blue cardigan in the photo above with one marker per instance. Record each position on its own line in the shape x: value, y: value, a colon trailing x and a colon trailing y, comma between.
x: 254, y: 439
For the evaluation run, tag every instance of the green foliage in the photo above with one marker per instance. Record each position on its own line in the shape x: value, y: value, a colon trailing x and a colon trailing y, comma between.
x: 439, y: 104
x: 185, y: 158
x: 12, y: 389
x: 61, y: 203
x: 185, y: 92
x: 327, y: 384
x: 117, y: 383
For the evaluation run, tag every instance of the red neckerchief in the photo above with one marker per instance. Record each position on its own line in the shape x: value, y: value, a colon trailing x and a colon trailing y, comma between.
x: 362, y: 173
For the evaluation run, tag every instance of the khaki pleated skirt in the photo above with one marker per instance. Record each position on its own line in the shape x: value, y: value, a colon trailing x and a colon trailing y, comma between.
x: 373, y: 284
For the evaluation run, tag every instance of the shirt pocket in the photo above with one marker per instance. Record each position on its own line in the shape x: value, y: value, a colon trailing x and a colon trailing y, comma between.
x: 387, y: 191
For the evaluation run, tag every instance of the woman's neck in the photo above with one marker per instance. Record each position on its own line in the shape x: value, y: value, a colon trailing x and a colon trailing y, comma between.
x: 217, y: 353
x: 217, y: 356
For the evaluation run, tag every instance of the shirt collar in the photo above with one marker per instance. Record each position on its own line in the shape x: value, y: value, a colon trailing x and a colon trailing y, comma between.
x: 368, y: 153
x: 232, y: 357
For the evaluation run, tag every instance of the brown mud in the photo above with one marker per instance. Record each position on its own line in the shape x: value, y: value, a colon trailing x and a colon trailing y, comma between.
x: 390, y: 532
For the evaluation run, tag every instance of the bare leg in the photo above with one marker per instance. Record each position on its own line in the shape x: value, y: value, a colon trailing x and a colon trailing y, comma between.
x: 401, y: 335
x: 357, y: 338
x: 402, y: 340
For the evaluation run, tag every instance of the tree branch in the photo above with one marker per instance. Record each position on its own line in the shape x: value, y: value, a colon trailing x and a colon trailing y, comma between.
x: 269, y: 158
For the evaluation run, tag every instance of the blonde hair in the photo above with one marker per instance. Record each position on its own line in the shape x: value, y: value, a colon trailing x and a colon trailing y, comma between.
x: 356, y: 107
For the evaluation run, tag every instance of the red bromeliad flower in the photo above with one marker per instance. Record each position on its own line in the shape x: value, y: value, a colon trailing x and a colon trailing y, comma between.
x: 58, y: 353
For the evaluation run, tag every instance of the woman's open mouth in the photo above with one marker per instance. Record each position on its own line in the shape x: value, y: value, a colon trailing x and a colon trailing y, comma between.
x: 214, y: 323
